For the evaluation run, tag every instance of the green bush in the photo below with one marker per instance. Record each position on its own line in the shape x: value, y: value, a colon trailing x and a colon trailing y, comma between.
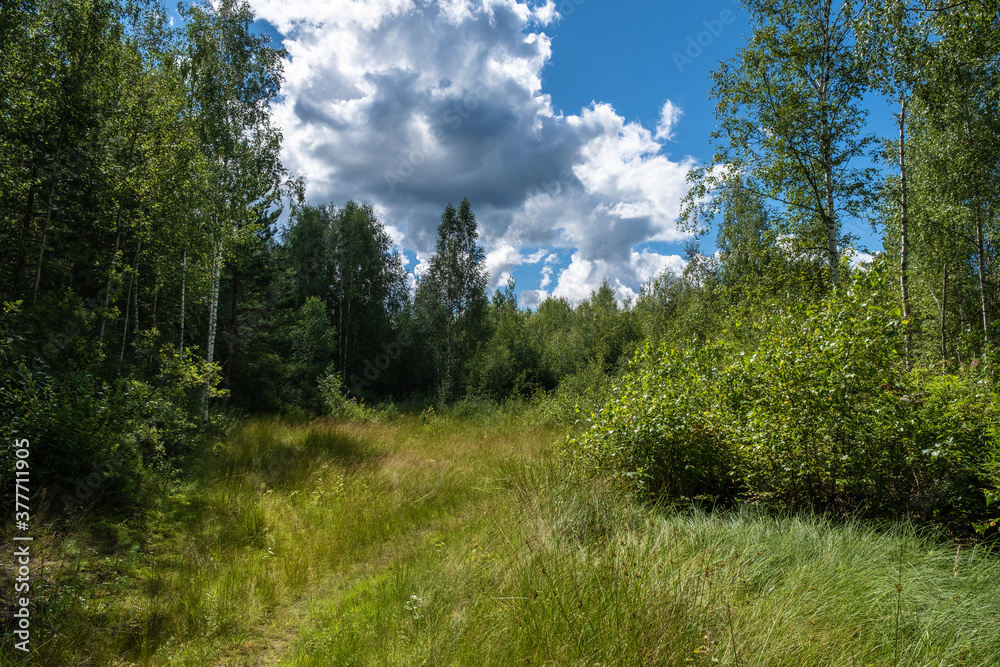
x: 813, y: 409
x: 822, y: 412
x: 661, y: 428
x: 95, y: 439
x: 334, y: 396
x: 955, y: 453
x: 577, y: 398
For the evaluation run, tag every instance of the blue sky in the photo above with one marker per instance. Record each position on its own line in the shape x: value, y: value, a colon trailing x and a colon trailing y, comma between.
x: 570, y: 126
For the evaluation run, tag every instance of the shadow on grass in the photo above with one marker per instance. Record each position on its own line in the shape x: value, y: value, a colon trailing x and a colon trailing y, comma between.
x: 226, y: 486
x: 277, y: 454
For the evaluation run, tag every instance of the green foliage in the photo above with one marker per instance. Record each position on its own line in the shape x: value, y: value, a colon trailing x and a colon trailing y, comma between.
x: 597, y: 331
x: 790, y: 123
x: 578, y: 397
x: 659, y: 430
x: 955, y: 445
x: 313, y: 343
x: 554, y: 331
x: 96, y: 442
x: 451, y: 303
x: 610, y: 333
x: 506, y: 365
x: 821, y: 399
x: 366, y: 286
x: 337, y: 402
x: 817, y: 411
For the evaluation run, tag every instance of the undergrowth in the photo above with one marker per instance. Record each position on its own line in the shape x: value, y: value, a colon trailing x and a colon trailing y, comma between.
x: 443, y: 539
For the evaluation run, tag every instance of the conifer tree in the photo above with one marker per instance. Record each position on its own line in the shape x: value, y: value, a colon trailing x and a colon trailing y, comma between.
x: 451, y: 298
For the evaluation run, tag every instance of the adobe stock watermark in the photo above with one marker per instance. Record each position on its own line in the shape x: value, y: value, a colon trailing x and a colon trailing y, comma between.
x: 552, y: 188
x: 452, y: 120
x: 697, y: 44
x: 374, y: 369
x: 567, y: 7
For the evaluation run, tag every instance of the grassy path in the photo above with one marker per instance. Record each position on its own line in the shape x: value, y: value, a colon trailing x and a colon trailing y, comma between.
x: 461, y: 543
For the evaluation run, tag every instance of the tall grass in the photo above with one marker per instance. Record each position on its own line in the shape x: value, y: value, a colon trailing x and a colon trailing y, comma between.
x: 459, y: 539
x: 577, y: 576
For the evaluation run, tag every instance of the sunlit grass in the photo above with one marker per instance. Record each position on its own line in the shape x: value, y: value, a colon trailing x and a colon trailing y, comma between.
x: 462, y: 541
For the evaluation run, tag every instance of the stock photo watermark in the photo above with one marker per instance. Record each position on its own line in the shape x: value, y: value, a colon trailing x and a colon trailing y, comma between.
x: 567, y: 7
x: 696, y: 44
x: 552, y: 188
x: 22, y: 546
x: 373, y: 369
x: 453, y: 119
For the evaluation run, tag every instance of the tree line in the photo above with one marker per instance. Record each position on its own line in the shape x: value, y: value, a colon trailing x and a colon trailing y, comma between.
x: 152, y: 284
x: 148, y: 285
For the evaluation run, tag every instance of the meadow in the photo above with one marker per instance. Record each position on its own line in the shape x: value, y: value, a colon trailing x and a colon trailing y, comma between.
x: 447, y: 540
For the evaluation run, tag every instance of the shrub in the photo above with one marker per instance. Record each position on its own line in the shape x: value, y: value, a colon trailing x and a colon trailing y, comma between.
x: 821, y: 402
x: 577, y: 398
x: 95, y: 441
x: 954, y: 456
x: 334, y: 396
x: 814, y: 409
x: 660, y: 429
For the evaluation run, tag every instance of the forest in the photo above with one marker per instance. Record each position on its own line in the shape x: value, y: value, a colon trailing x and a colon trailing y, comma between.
x: 165, y: 285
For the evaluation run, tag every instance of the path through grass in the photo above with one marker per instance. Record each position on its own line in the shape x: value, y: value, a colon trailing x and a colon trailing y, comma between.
x: 461, y: 542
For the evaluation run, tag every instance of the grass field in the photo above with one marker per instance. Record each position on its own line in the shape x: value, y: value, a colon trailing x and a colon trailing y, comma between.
x: 449, y: 541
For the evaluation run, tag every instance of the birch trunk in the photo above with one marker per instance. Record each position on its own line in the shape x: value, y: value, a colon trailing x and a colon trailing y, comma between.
x: 111, y: 277
x: 944, y: 311
x: 45, y: 232
x: 213, y: 312
x: 213, y: 308
x: 981, y: 252
x: 829, y: 216
x: 904, y: 238
x: 133, y: 287
x: 184, y: 261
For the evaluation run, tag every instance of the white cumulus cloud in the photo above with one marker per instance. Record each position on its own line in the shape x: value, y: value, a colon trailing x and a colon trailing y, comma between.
x: 411, y: 104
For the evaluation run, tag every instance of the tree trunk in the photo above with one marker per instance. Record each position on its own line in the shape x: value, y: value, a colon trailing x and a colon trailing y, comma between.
x: 904, y: 239
x: 114, y: 256
x: 128, y: 300
x: 231, y: 331
x: 45, y: 231
x: 135, y: 325
x: 944, y: 311
x: 184, y: 260
x: 111, y: 277
x: 963, y: 320
x: 341, y: 333
x: 22, y: 256
x: 981, y: 252
x: 980, y: 244
x: 829, y: 215
x: 213, y: 303
x: 132, y: 287
x: 213, y: 312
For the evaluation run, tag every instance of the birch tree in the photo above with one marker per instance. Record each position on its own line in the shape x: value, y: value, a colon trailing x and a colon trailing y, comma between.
x: 233, y: 75
x: 791, y: 123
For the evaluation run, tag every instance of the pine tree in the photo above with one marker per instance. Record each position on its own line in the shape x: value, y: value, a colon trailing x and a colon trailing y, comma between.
x: 451, y: 298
